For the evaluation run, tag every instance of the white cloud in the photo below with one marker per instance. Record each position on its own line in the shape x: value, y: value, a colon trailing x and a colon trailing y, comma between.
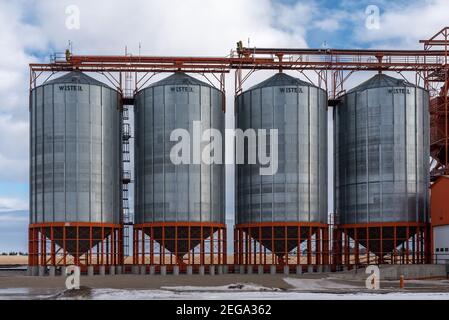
x: 331, y: 24
x: 174, y: 27
x: 11, y: 204
x: 403, y: 25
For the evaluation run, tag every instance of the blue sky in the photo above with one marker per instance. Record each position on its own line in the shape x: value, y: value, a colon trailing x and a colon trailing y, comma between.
x: 31, y: 30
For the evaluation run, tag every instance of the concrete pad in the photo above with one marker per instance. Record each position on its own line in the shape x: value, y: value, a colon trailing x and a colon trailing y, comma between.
x: 90, y: 271
x: 272, y: 269
x: 34, y: 271
x: 119, y: 270
x: 52, y: 271
x: 201, y: 271
x: 249, y: 270
x: 220, y: 270
x: 241, y: 269
x: 143, y: 270
x: 41, y: 271
x: 163, y: 270
x: 286, y: 270
x: 189, y: 270
x: 112, y: 270
x: 176, y: 270
x: 102, y: 270
x: 309, y: 269
x: 260, y: 269
x: 225, y: 270
x: 212, y: 270
x: 299, y: 270
x: 135, y: 269
x: 152, y: 270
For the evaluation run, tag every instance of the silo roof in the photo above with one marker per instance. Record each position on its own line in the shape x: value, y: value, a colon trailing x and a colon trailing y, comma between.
x: 281, y: 79
x: 380, y: 81
x: 77, y: 77
x: 179, y: 78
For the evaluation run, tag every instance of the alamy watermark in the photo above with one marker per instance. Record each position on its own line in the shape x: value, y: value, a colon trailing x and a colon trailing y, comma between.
x: 262, y: 147
x: 372, y: 20
x: 73, y: 277
x: 72, y: 21
x: 373, y: 280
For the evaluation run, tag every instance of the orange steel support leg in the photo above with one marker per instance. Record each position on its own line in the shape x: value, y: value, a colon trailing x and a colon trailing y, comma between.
x: 77, y: 247
x: 407, y: 250
x: 64, y: 239
x: 241, y: 243
x: 318, y: 260
x: 236, y: 248
x: 260, y: 245
x: 395, y: 245
x: 298, y: 252
x: 53, y: 246
x: 381, y: 240
x: 285, y: 245
x: 142, y: 231
x: 211, y: 260
x: 102, y: 247
x: 188, y: 246
x: 368, y: 254
x: 346, y: 247
x: 273, y: 257
x: 225, y: 247
x: 255, y: 251
x: 151, y: 246
x: 201, y: 247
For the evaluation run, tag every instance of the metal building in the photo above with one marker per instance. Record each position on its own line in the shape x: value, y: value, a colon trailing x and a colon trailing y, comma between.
x: 382, y: 172
x: 439, y: 212
x: 179, y: 208
x: 281, y: 219
x: 75, y: 173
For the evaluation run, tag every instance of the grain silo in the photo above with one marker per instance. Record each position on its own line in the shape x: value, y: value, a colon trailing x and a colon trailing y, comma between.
x: 281, y: 219
x: 179, y: 208
x: 75, y: 168
x: 382, y: 172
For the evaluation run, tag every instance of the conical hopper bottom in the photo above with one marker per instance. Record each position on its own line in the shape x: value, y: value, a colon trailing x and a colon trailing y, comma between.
x: 84, y: 242
x: 276, y: 242
x: 177, y: 242
x: 374, y: 239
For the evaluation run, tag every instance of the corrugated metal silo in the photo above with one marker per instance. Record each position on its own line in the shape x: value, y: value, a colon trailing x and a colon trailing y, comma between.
x: 179, y: 208
x: 286, y: 210
x: 75, y: 169
x: 382, y: 169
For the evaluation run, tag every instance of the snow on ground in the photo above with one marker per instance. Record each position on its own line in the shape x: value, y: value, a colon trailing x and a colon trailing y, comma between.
x: 230, y: 287
x: 25, y: 293
x: 119, y: 294
x: 317, y: 284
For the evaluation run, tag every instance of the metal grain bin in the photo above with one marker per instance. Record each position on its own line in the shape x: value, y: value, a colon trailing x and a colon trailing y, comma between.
x: 165, y: 192
x: 382, y: 153
x: 75, y: 150
x: 298, y: 191
x: 281, y: 212
x: 178, y: 206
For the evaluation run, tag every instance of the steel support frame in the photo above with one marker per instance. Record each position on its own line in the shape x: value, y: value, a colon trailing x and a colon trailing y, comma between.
x: 45, y: 248
x: 151, y: 249
x: 311, y: 244
x: 351, y: 249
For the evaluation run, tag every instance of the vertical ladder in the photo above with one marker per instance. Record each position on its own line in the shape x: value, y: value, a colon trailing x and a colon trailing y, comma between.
x: 128, y: 97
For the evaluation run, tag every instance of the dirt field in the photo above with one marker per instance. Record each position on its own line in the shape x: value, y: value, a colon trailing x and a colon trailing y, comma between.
x: 10, y: 260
